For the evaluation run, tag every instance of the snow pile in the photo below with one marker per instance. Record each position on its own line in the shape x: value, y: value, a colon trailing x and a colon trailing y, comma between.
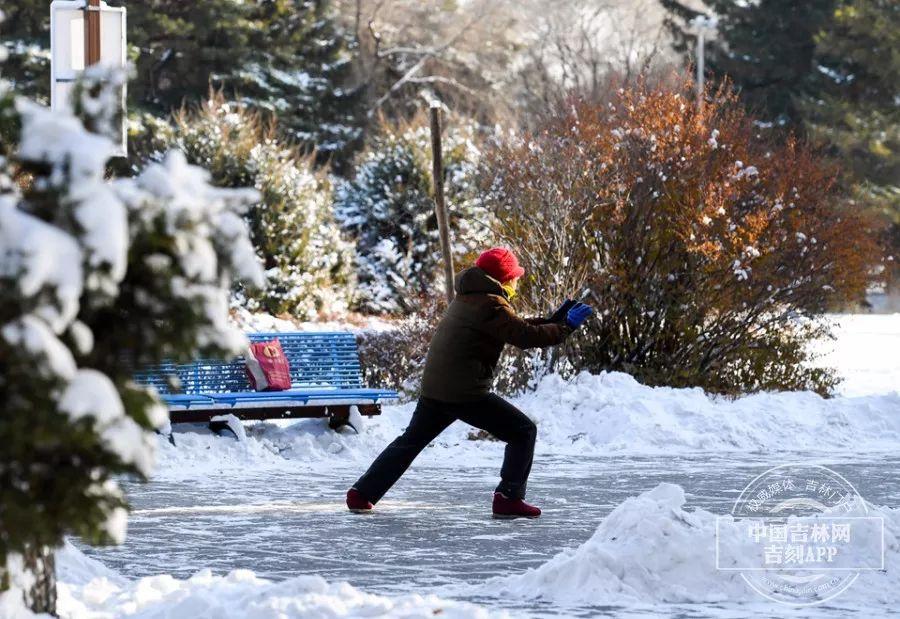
x: 74, y: 568
x: 613, y: 412
x: 650, y: 549
x: 281, y: 444
x: 87, y: 589
x: 603, y: 414
x: 588, y: 415
x: 19, y: 580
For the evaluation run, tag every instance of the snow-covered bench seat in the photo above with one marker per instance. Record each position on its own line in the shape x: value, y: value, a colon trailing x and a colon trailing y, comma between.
x: 325, y: 382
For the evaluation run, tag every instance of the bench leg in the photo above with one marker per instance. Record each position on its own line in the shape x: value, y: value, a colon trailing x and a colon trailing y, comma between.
x: 222, y: 424
x: 339, y: 418
x: 169, y: 436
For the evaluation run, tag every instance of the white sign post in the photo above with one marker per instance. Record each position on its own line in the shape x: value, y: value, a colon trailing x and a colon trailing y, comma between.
x: 702, y: 26
x: 84, y: 33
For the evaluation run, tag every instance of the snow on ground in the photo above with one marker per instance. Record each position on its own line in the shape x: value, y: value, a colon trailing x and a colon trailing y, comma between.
x: 651, y: 549
x: 651, y: 552
x: 88, y: 590
x: 588, y: 415
x: 612, y: 413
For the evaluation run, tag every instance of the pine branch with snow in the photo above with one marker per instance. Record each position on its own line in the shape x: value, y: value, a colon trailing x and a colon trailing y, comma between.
x: 307, y: 261
x: 99, y: 277
x: 388, y: 208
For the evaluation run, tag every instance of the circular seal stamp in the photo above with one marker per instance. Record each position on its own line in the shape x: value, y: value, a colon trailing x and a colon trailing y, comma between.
x: 799, y: 523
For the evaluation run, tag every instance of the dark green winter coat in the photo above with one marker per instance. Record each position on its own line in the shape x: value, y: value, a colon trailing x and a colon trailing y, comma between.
x: 470, y: 337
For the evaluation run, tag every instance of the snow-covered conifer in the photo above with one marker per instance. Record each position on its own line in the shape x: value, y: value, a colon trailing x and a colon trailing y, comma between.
x: 388, y: 208
x: 98, y: 277
x: 309, y: 266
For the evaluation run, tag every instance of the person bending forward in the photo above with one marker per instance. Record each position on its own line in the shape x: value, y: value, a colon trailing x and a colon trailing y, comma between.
x: 457, y: 380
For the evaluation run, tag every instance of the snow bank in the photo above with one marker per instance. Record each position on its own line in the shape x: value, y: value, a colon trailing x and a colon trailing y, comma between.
x: 612, y: 412
x: 588, y: 415
x: 650, y: 549
x: 285, y: 444
x: 75, y: 568
x: 87, y: 590
x: 90, y: 590
x: 603, y: 414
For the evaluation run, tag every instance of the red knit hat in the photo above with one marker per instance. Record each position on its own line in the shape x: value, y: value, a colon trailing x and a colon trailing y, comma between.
x: 500, y: 263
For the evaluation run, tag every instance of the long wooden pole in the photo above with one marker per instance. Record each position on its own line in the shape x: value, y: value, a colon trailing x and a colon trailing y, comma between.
x: 440, y: 208
x: 92, y: 33
x: 701, y: 69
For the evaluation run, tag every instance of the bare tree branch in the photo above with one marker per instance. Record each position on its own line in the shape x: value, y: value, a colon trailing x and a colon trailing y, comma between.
x: 421, y: 62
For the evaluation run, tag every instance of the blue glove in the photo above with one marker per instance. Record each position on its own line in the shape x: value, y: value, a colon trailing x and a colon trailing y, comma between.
x: 560, y: 314
x: 578, y: 314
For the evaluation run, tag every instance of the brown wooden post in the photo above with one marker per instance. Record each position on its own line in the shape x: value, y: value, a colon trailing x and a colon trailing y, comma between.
x: 92, y: 33
x: 440, y: 208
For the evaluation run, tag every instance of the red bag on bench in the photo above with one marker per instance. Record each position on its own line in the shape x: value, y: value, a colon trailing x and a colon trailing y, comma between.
x: 267, y: 367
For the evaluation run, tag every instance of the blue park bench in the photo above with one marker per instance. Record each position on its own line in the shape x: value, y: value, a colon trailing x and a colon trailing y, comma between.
x: 325, y: 382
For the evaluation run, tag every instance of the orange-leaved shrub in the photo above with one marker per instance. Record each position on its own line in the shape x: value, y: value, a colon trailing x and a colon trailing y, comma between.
x: 709, y: 248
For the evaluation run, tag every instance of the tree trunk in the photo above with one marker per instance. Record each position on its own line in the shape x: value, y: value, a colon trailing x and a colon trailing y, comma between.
x: 39, y: 563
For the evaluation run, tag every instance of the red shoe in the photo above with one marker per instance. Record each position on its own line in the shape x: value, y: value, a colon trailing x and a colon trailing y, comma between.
x: 357, y: 503
x: 507, y: 509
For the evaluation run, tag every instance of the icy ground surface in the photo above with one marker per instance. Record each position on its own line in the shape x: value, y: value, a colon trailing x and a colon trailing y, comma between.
x: 273, y: 504
x: 433, y: 530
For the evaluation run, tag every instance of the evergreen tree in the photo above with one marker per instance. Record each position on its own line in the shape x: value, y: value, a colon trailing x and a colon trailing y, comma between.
x: 389, y: 209
x: 98, y: 278
x: 26, y: 38
x: 766, y: 48
x: 284, y: 56
x: 854, y: 107
x: 309, y: 266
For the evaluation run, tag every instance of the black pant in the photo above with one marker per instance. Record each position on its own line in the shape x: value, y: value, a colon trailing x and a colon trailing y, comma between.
x: 431, y: 417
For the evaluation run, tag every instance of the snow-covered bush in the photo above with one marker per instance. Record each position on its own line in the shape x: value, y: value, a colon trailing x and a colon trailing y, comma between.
x: 98, y: 277
x: 309, y: 267
x: 710, y: 248
x: 389, y: 210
